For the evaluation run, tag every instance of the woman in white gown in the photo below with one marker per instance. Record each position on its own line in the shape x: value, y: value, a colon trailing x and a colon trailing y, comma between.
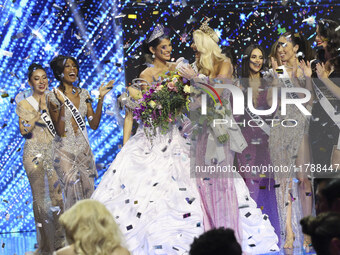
x: 147, y: 188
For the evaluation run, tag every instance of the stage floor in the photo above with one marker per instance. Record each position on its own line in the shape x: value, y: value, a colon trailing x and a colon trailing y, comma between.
x: 23, y: 244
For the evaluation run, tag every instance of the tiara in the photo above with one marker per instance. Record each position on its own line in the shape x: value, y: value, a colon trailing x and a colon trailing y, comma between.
x: 157, y: 32
x: 206, y: 29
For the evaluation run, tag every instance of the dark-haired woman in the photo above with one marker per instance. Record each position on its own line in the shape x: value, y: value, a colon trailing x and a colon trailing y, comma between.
x: 35, y: 125
x: 325, y: 124
x: 73, y: 158
x: 257, y: 151
x: 157, y: 53
x: 324, y: 230
x: 148, y: 187
x: 289, y: 146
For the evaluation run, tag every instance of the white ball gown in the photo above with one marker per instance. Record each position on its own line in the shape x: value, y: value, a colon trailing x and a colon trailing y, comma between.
x: 158, y: 206
x: 149, y: 191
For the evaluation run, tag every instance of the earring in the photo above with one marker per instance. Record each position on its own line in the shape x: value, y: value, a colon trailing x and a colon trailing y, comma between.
x: 153, y: 55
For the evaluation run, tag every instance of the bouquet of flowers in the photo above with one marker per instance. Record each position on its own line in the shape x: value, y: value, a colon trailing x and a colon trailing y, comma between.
x: 163, y: 102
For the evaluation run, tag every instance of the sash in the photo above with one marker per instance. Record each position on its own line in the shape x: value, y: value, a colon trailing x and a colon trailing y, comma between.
x: 77, y: 116
x: 44, y: 116
x: 329, y: 109
x: 285, y: 79
x: 265, y: 127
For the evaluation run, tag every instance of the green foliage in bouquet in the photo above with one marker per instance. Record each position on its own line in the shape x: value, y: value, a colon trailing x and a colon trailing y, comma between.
x: 163, y: 102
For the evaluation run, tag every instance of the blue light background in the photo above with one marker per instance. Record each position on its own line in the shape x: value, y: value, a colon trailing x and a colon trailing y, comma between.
x: 109, y: 47
x: 45, y: 32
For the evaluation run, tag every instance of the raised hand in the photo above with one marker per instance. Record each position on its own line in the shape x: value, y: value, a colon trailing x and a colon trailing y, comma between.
x: 306, y: 68
x: 59, y: 96
x: 103, y: 90
x: 321, y: 71
x: 187, y: 72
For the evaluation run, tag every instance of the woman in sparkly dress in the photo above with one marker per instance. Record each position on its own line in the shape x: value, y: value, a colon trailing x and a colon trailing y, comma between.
x: 289, y: 146
x: 38, y: 131
x: 72, y: 156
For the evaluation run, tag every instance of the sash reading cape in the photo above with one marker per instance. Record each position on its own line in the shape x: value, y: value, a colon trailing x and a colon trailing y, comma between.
x: 77, y: 116
x: 329, y: 109
x: 44, y: 116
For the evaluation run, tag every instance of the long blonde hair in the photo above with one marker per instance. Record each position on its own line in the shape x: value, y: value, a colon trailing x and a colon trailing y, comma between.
x: 90, y: 227
x: 209, y: 51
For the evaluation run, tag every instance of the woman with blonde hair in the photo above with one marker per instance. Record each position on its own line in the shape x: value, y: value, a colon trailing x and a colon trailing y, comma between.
x: 91, y: 229
x: 225, y: 196
x: 209, y: 58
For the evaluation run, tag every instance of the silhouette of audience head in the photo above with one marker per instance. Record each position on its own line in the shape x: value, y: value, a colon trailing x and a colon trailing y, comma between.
x: 219, y: 241
x: 324, y: 230
x: 327, y: 196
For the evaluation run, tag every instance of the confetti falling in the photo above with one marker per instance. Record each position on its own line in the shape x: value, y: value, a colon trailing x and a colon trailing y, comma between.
x: 54, y: 30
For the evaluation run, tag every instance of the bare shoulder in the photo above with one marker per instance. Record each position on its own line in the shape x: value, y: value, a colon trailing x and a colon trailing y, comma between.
x: 225, y: 64
x: 146, y: 72
x: 68, y: 250
x: 121, y: 251
x: 225, y: 69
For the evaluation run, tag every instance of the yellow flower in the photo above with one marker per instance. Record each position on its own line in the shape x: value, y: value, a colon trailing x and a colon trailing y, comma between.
x: 152, y: 104
x: 186, y: 89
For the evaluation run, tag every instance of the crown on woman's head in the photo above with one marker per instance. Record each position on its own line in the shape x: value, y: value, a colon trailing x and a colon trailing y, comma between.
x: 206, y: 29
x: 157, y: 32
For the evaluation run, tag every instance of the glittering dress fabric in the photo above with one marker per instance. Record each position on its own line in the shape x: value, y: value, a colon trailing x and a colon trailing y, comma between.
x: 73, y: 160
x: 261, y: 187
x: 226, y: 198
x: 323, y: 132
x: 284, y: 143
x: 149, y: 191
x: 47, y: 198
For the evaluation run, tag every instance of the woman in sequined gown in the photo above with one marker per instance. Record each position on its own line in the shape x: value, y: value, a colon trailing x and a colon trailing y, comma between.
x: 289, y: 146
x: 148, y: 188
x: 72, y: 156
x: 324, y: 133
x: 261, y: 186
x: 225, y: 196
x: 47, y: 198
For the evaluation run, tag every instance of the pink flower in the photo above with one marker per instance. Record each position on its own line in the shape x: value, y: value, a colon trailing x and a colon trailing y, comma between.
x: 159, y: 88
x: 172, y: 86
